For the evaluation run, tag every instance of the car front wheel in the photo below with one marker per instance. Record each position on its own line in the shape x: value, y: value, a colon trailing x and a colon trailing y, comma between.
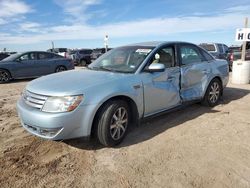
x: 112, y: 123
x: 4, y: 76
x: 213, y: 93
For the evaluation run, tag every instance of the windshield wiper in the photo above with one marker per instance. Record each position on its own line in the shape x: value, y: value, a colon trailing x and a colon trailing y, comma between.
x: 102, y: 68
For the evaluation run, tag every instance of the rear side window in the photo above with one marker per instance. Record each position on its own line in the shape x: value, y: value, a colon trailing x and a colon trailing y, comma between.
x: 85, y: 51
x: 57, y: 56
x: 89, y: 51
x: 206, y: 55
x: 190, y: 54
x: 62, y: 50
x: 45, y: 56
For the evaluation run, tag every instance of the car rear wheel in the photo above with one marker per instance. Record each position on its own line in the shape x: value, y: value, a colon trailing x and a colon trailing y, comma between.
x: 112, y: 123
x: 83, y: 62
x: 4, y: 76
x: 60, y: 69
x: 213, y: 93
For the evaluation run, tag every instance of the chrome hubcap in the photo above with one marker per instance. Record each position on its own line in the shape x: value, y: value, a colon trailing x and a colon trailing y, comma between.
x: 119, y: 123
x: 4, y: 76
x: 214, y: 92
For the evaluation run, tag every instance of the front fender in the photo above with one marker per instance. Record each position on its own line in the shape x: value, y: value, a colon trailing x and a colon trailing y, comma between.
x: 98, y: 95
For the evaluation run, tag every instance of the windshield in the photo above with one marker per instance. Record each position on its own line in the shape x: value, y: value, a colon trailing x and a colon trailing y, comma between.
x: 123, y: 59
x: 12, y: 57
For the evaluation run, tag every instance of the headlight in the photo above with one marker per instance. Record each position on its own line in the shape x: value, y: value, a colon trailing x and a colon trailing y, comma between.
x: 62, y: 104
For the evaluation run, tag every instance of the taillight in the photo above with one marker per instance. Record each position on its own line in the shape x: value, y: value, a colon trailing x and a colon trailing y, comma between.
x: 231, y: 57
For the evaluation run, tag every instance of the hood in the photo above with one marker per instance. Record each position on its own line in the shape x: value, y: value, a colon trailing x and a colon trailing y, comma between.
x: 71, y: 82
x: 5, y: 61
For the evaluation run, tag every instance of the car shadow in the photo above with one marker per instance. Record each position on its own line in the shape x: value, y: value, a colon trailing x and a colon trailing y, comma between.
x: 154, y: 126
x: 20, y: 80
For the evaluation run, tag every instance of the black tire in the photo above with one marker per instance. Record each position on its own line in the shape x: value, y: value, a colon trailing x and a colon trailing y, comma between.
x: 112, y: 123
x: 4, y: 76
x: 83, y: 62
x: 60, y: 69
x: 213, y: 93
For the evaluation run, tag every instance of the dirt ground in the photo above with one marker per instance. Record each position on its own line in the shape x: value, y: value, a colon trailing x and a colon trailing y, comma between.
x: 192, y: 147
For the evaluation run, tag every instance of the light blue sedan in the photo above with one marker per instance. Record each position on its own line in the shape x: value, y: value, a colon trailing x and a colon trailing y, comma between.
x: 120, y: 88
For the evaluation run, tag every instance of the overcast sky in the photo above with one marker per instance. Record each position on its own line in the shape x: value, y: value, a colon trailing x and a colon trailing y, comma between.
x: 32, y: 25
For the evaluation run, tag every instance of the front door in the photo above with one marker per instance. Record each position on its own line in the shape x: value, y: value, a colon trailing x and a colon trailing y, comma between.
x: 25, y: 65
x: 161, y: 89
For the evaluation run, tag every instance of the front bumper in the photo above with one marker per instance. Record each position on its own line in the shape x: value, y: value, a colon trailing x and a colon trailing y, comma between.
x: 56, y: 126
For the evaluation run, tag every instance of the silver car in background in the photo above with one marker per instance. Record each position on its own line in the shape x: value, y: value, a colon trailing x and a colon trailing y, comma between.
x: 121, y: 87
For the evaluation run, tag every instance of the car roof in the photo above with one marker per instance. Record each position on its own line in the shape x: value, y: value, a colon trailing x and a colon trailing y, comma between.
x: 157, y: 43
x: 35, y: 52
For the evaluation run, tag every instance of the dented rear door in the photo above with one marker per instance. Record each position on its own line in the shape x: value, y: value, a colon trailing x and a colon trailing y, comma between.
x: 195, y: 71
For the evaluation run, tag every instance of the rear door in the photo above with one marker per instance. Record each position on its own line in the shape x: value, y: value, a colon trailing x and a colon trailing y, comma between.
x: 161, y: 89
x: 45, y: 64
x: 195, y: 71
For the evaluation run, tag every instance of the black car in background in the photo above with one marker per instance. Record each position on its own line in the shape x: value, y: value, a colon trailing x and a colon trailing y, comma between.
x: 97, y: 52
x: 218, y: 50
x: 32, y: 64
x: 81, y: 57
x: 234, y: 53
x: 3, y: 55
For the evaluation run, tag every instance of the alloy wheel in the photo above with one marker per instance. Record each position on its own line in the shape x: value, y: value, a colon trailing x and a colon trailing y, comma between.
x: 4, y: 76
x: 60, y: 69
x: 119, y: 122
x: 214, y: 92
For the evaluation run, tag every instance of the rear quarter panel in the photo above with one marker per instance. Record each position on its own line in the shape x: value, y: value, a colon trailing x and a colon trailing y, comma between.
x: 219, y: 68
x: 63, y: 62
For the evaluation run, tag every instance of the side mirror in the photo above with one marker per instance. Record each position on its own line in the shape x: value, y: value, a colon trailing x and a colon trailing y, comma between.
x: 155, y: 67
x: 18, y: 60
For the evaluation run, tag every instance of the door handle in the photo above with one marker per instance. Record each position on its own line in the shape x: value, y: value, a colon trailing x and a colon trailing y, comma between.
x: 137, y: 86
x: 170, y: 78
x: 205, y: 71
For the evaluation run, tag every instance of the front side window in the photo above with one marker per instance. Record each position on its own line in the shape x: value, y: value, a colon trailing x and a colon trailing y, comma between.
x: 24, y: 57
x: 190, y: 55
x: 164, y: 56
x: 123, y: 59
x: 28, y: 56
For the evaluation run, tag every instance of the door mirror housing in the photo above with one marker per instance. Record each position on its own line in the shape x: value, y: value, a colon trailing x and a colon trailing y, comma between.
x: 18, y: 60
x: 155, y: 67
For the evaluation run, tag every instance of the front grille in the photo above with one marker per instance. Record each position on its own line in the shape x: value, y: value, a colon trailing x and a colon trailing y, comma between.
x: 34, y: 100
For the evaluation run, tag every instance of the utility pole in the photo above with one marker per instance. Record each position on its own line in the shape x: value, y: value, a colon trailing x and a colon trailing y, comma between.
x: 243, y: 54
x: 106, y: 38
x: 52, y: 43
